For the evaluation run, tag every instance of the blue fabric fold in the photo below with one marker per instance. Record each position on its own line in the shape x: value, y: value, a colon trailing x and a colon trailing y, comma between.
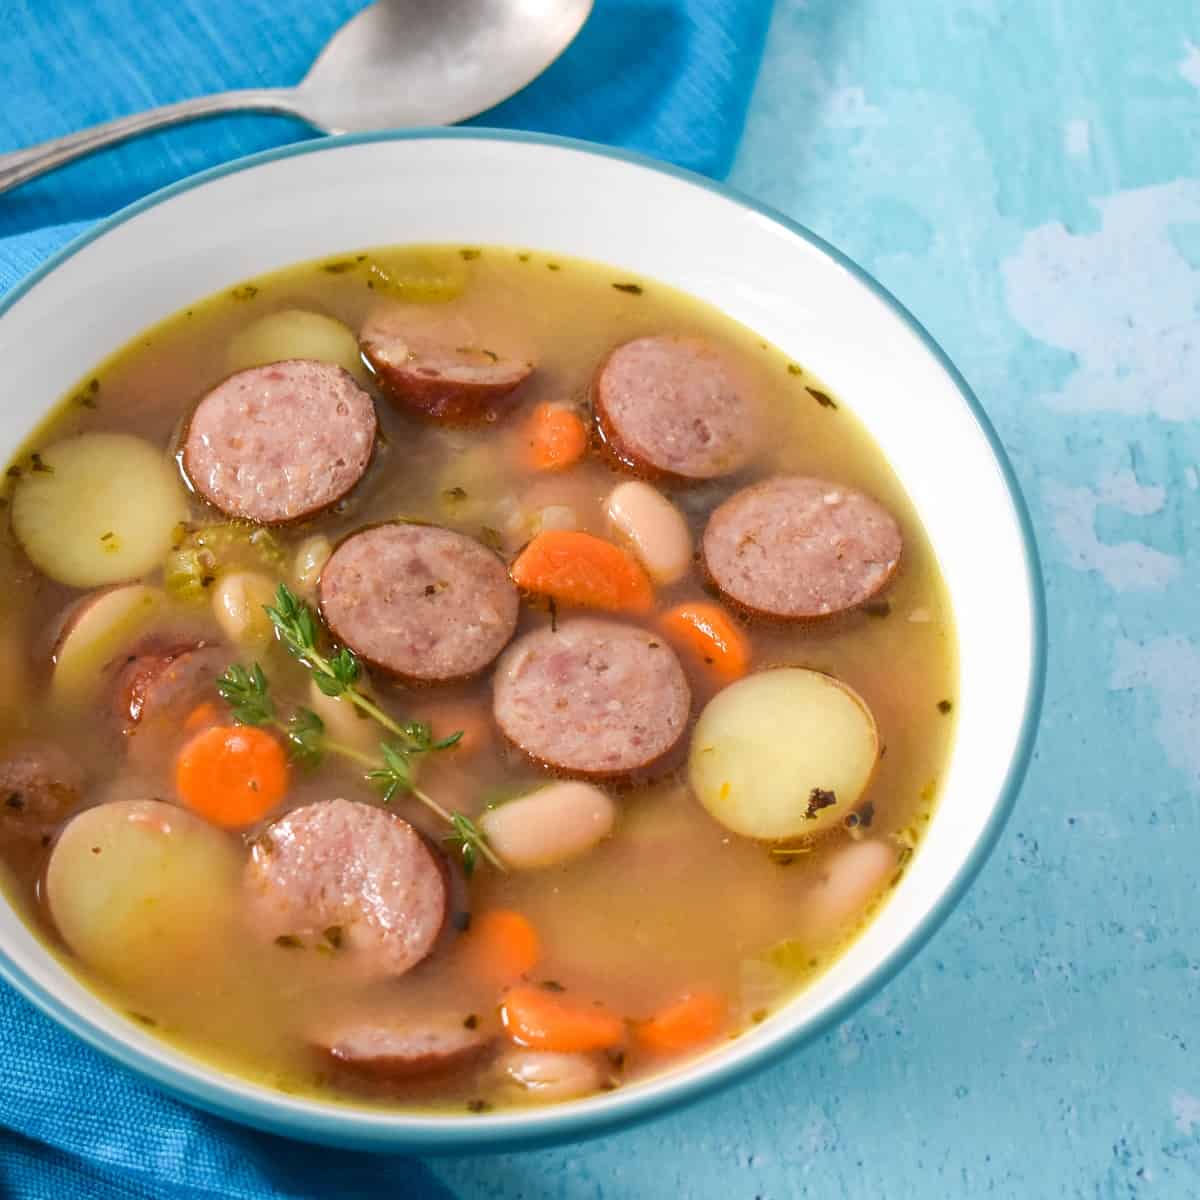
x: 671, y: 78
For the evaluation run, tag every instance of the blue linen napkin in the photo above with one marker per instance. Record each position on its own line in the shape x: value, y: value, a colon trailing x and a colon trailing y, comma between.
x: 671, y: 78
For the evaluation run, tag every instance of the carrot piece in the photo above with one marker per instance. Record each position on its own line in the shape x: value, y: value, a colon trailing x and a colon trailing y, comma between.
x: 203, y: 715
x: 541, y: 1020
x: 708, y: 632
x: 232, y: 775
x: 579, y: 568
x: 470, y: 719
x: 502, y: 945
x: 556, y: 438
x: 689, y: 1022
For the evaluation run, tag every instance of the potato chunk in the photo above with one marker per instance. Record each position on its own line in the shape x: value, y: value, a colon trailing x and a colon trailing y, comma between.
x: 782, y: 754
x: 138, y: 888
x: 100, y: 627
x: 296, y: 333
x: 102, y: 508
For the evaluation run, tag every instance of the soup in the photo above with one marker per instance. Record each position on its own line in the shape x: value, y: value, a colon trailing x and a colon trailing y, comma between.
x: 457, y: 678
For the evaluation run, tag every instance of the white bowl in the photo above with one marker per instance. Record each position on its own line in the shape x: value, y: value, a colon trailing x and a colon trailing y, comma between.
x: 476, y: 186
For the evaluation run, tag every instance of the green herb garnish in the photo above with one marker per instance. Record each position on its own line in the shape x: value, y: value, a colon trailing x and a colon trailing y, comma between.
x: 249, y: 697
x: 337, y: 675
x: 633, y: 289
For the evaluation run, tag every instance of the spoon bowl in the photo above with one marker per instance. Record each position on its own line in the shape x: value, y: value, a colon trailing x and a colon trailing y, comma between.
x: 433, y: 62
x: 397, y: 63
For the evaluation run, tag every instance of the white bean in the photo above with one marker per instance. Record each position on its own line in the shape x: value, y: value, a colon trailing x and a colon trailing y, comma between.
x: 550, y: 825
x: 311, y: 558
x: 850, y: 879
x: 549, y: 500
x: 238, y: 601
x: 557, y: 516
x: 551, y: 1076
x: 343, y: 721
x: 654, y: 527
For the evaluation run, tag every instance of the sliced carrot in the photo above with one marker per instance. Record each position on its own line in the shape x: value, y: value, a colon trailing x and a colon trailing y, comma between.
x: 556, y: 438
x: 687, y: 1023
x: 232, y: 775
x: 541, y: 1020
x: 578, y: 568
x: 203, y: 715
x: 502, y: 945
x: 709, y: 633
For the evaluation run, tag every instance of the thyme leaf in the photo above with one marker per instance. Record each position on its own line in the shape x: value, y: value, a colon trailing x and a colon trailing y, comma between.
x: 337, y: 673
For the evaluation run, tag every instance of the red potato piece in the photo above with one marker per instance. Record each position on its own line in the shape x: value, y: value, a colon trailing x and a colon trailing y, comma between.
x: 594, y: 698
x: 425, y: 604
x: 796, y: 548
x: 673, y: 406
x: 280, y: 443
x: 40, y: 785
x: 436, y: 375
x: 350, y: 866
x: 402, y: 1049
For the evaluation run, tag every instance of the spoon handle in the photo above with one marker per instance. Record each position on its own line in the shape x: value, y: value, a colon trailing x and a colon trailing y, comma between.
x: 20, y: 165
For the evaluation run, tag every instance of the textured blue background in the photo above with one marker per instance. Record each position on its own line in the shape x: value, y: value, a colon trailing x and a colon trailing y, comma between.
x: 1026, y: 177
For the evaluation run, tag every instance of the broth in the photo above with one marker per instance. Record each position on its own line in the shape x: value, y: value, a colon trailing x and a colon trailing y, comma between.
x: 672, y: 902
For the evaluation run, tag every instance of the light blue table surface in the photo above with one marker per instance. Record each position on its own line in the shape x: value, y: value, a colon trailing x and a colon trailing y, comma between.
x: 1024, y: 175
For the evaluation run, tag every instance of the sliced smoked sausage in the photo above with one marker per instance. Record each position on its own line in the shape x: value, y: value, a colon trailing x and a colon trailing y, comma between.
x: 434, y: 376
x: 40, y: 785
x: 673, y: 406
x: 425, y: 604
x: 402, y: 1049
x: 350, y: 877
x: 796, y: 548
x: 280, y: 443
x: 163, y: 685
x: 155, y: 692
x: 593, y: 698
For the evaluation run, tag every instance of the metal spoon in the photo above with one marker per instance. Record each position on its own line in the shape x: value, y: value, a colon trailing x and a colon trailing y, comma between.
x: 398, y: 62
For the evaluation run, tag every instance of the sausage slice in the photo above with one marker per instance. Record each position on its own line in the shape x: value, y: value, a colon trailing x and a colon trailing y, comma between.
x: 40, y: 785
x: 349, y: 877
x: 402, y: 1049
x: 435, y: 377
x: 163, y: 686
x: 155, y: 691
x: 425, y: 604
x: 673, y: 406
x: 593, y: 698
x: 280, y: 443
x: 794, y: 547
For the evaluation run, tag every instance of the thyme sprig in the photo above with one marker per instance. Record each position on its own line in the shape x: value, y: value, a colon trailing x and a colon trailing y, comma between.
x: 249, y: 697
x: 337, y: 674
